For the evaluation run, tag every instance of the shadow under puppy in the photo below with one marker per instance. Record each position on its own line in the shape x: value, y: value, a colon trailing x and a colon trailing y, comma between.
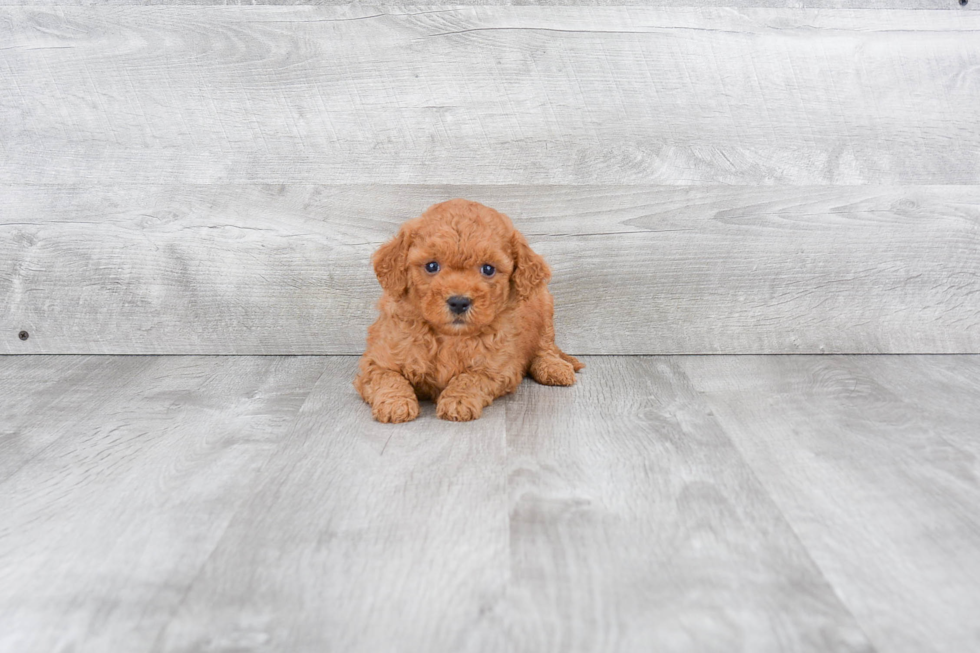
x: 465, y: 315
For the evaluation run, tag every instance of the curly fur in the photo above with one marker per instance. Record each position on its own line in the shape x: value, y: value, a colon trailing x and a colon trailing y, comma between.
x: 418, y: 349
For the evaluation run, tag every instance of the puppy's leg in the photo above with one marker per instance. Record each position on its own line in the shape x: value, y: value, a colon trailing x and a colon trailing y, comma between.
x: 576, y: 365
x: 554, y: 367
x: 550, y: 365
x: 468, y: 393
x: 390, y: 395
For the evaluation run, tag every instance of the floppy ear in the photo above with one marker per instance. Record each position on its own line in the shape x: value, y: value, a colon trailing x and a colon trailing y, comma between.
x: 530, y: 270
x: 391, y: 262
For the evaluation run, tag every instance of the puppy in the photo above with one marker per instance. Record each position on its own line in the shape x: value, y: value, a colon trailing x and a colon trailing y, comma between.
x: 465, y: 315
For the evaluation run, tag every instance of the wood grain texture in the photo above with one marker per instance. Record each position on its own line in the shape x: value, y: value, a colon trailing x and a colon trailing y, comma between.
x: 66, y: 390
x: 252, y: 269
x: 635, y: 525
x: 250, y: 504
x: 952, y: 5
x: 105, y: 527
x: 490, y: 95
x: 236, y: 504
x: 944, y: 392
x: 874, y: 462
x: 362, y: 537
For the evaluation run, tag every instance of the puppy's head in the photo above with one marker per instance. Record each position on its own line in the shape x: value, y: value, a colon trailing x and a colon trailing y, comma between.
x: 460, y: 264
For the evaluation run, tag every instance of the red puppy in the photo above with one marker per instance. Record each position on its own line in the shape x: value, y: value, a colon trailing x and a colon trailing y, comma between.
x: 465, y: 315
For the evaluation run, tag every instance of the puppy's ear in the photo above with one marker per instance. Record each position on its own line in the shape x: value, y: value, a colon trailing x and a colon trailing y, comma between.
x: 391, y: 262
x: 530, y: 270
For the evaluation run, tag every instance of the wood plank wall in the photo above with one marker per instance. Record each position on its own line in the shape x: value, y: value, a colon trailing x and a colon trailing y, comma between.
x: 751, y: 179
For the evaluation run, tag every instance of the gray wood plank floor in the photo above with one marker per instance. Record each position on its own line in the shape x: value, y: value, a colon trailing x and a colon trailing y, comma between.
x: 663, y: 503
x: 874, y: 462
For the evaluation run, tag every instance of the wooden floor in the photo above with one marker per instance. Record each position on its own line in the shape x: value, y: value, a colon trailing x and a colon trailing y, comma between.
x: 744, y: 503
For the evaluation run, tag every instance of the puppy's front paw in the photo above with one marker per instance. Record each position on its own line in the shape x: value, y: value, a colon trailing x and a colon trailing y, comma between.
x: 458, y: 408
x: 394, y: 410
x: 551, y: 370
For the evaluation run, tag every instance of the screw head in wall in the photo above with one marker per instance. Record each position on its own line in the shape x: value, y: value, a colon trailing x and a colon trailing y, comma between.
x: 23, y: 335
x: 963, y: 2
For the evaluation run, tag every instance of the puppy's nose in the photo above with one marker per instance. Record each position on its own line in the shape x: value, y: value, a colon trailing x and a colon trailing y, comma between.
x: 459, y: 304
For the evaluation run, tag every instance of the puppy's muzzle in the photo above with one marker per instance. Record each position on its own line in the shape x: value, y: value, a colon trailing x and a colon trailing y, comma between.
x: 459, y: 304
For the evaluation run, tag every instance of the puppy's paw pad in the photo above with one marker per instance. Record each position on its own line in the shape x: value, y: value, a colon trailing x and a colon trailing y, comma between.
x: 396, y: 410
x: 458, y: 409
x: 553, y: 371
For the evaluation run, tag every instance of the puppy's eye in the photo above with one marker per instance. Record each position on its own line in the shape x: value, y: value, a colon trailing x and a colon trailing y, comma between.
x: 488, y: 270
x: 432, y: 267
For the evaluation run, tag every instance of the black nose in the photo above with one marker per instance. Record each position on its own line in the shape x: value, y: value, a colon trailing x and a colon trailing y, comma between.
x: 459, y: 304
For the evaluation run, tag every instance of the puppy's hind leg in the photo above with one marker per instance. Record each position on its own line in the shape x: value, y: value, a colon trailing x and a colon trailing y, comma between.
x: 554, y: 367
x: 576, y: 364
x: 550, y: 365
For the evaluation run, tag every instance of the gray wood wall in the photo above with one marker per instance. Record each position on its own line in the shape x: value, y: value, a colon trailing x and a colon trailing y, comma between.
x: 763, y: 178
